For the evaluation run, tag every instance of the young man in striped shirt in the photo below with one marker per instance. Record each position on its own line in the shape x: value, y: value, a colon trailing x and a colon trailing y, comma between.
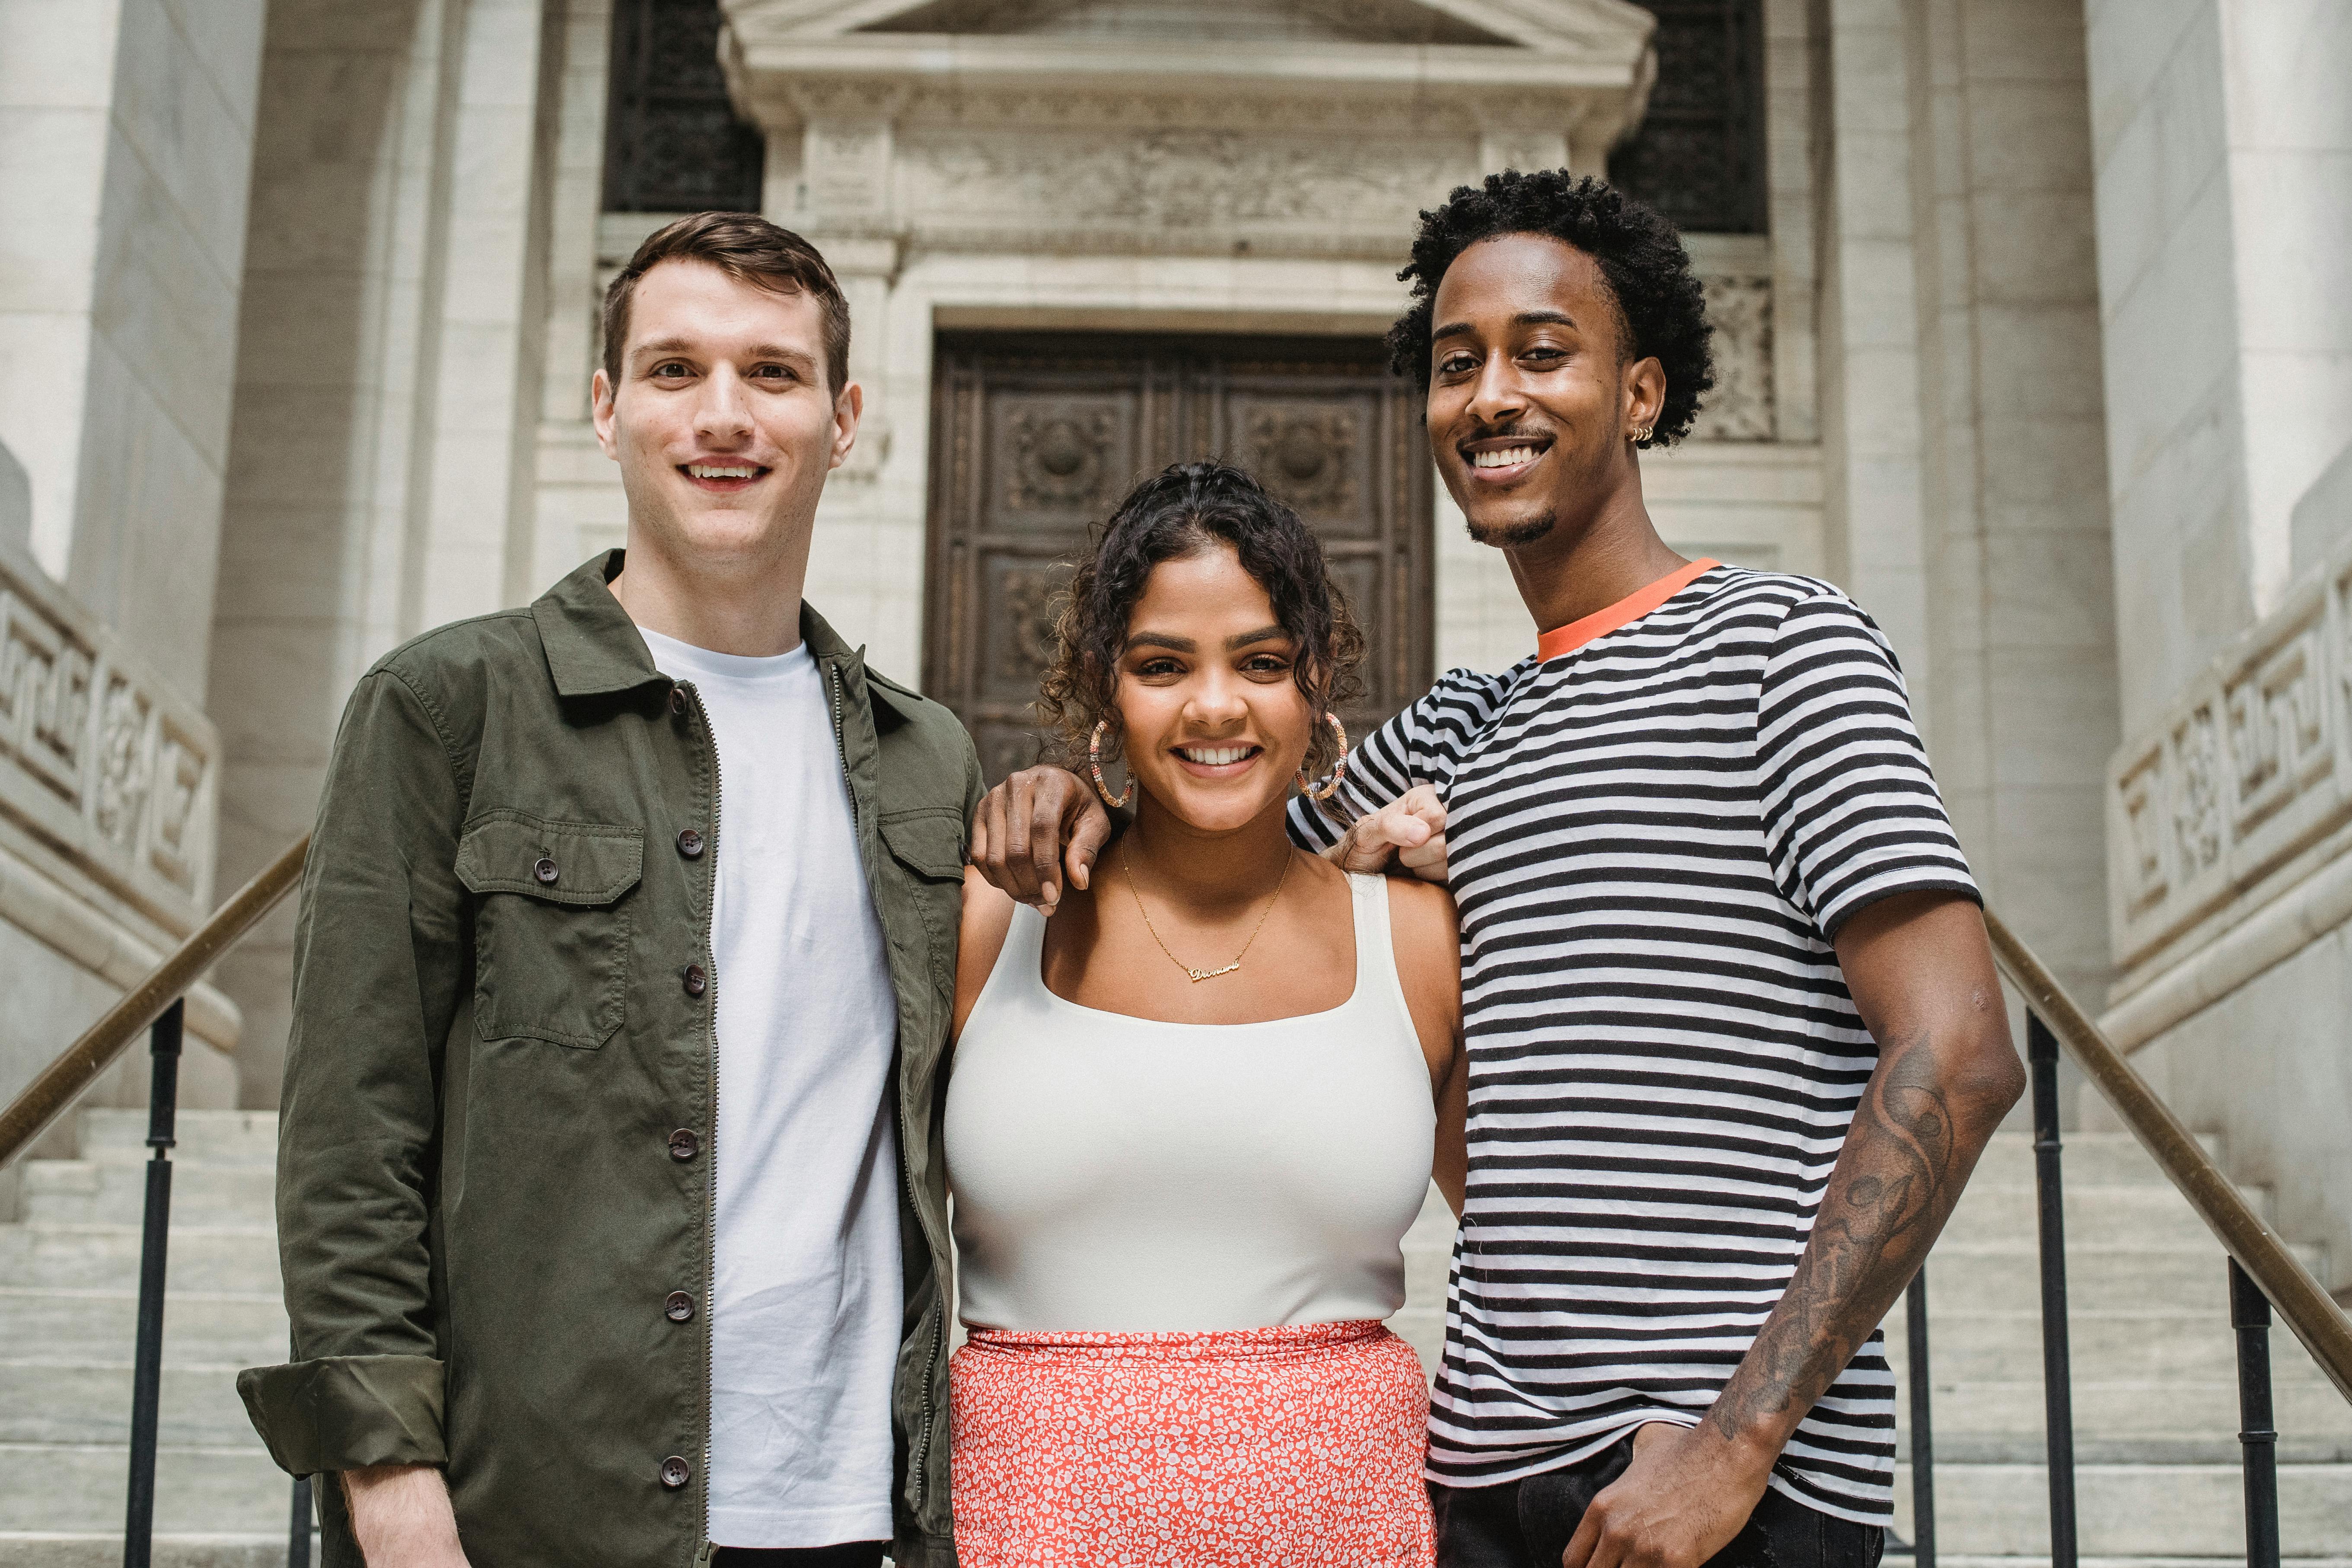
x: 1736, y: 1040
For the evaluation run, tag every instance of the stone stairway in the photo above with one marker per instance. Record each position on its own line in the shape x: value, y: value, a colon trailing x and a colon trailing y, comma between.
x: 2155, y: 1379
x: 2155, y: 1385
x: 68, y: 1302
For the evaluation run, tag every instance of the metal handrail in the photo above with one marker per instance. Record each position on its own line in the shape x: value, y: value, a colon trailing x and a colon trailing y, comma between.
x: 53, y: 1093
x: 2300, y: 1300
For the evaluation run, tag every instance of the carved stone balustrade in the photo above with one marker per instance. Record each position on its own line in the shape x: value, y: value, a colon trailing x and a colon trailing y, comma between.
x: 107, y: 775
x: 2229, y: 823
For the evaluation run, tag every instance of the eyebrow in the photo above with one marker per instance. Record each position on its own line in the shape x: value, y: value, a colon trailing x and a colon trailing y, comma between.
x: 1186, y: 645
x: 758, y: 350
x: 1524, y: 319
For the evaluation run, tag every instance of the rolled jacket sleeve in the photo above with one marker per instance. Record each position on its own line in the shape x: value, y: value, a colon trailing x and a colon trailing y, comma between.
x: 379, y: 960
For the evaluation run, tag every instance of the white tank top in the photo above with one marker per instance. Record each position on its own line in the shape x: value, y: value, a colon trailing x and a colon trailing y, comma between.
x: 1126, y: 1175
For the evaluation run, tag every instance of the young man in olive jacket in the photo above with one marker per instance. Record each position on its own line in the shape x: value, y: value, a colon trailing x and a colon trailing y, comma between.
x: 554, y: 1299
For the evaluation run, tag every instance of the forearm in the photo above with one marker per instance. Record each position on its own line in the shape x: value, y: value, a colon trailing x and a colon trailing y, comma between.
x: 401, y: 1517
x: 1925, y: 1117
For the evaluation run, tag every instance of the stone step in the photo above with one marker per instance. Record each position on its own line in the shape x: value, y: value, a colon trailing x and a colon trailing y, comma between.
x: 2100, y: 1277
x: 54, y: 1486
x: 47, y: 1549
x: 101, y: 1326
x: 2149, y: 1215
x: 2155, y: 1422
x: 2174, y: 1510
x: 2090, y: 1159
x: 110, y: 1191
x: 248, y: 1138
x: 48, y: 1403
x: 2199, y: 1346
x: 93, y: 1257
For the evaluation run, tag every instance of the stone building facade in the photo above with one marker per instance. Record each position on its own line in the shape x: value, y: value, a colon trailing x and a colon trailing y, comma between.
x: 2033, y: 336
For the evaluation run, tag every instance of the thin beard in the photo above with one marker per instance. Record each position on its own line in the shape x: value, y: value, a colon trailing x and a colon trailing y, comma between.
x: 1515, y: 533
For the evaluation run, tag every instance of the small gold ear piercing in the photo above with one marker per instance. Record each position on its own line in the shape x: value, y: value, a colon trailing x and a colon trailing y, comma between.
x: 1642, y: 434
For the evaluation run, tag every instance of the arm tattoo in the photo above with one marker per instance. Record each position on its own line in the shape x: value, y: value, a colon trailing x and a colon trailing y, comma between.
x: 1896, y: 1182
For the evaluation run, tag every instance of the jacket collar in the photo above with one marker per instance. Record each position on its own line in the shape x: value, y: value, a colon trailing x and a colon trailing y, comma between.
x: 592, y: 648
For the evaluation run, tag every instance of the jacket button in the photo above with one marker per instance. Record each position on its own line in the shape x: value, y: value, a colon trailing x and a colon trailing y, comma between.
x: 677, y: 700
x: 696, y: 980
x: 689, y: 844
x: 676, y: 1472
x: 684, y: 1145
x: 544, y: 871
x: 678, y: 1307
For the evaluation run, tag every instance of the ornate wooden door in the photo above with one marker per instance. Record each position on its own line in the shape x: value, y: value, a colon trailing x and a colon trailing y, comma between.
x: 1034, y: 439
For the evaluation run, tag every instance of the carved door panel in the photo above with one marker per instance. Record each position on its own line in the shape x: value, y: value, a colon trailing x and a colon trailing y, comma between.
x: 1036, y: 440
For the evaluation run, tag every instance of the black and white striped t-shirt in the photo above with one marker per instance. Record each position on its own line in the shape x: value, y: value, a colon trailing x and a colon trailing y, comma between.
x: 1654, y: 827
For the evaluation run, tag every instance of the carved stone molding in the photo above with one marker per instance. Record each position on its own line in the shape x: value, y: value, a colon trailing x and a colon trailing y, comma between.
x: 100, y: 761
x: 1741, y: 407
x: 2212, y: 812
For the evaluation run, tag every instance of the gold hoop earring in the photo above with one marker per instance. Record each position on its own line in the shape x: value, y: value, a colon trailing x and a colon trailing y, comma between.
x: 1642, y: 434
x: 1339, y: 769
x: 1094, y: 766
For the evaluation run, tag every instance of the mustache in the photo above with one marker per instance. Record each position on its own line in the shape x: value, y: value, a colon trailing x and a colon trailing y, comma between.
x: 1513, y: 430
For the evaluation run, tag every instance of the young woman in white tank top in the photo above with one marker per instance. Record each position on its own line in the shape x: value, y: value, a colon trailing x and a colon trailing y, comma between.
x: 1190, y: 1117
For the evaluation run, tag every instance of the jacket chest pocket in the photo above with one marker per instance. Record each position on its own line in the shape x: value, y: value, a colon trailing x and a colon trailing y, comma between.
x: 927, y: 852
x: 550, y: 929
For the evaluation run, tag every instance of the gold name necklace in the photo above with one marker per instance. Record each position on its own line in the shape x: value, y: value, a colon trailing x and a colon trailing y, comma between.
x: 1197, y: 976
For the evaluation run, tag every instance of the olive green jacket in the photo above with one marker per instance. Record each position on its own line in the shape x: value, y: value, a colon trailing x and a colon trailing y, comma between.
x: 496, y: 1160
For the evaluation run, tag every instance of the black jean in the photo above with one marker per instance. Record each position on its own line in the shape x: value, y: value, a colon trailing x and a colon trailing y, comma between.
x: 1526, y: 1523
x: 849, y: 1554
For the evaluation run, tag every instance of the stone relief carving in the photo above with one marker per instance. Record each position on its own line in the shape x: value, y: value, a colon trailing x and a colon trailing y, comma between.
x: 99, y: 760
x: 1303, y: 455
x: 1740, y: 408
x: 123, y: 767
x: 2197, y: 813
x: 2143, y: 827
x: 1171, y: 183
x: 2241, y: 778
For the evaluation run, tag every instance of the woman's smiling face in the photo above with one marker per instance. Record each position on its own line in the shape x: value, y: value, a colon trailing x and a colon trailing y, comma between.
x: 1215, y: 724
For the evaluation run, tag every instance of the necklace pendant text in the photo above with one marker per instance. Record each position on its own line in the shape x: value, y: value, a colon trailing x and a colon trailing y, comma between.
x: 1199, y: 975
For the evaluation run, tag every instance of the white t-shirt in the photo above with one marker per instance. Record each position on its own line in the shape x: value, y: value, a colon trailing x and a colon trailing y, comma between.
x: 808, y: 1298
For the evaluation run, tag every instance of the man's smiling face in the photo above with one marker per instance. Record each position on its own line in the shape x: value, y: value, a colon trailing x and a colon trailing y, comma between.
x: 1529, y: 391
x: 722, y: 421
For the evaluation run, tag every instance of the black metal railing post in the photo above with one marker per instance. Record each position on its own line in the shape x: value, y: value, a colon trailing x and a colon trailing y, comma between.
x: 2057, y: 1364
x: 147, y: 1370
x: 1923, y: 1436
x: 298, y: 1534
x: 1922, y: 1425
x: 2250, y: 1315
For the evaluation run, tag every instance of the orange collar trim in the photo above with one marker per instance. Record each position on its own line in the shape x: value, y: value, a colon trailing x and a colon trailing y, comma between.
x: 1562, y: 640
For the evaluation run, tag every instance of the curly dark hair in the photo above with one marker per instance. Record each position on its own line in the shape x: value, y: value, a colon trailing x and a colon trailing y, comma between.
x: 1185, y: 510
x: 1661, y: 308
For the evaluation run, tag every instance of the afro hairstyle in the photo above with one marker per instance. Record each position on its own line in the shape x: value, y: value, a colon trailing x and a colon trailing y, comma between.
x: 1661, y: 308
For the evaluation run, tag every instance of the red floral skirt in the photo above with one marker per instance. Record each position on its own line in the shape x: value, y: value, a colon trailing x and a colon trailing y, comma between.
x: 1282, y: 1447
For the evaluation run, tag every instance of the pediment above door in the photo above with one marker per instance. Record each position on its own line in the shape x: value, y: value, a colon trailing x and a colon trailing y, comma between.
x: 1314, y: 127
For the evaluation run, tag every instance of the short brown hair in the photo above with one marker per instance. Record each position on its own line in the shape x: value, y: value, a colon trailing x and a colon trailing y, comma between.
x: 746, y: 247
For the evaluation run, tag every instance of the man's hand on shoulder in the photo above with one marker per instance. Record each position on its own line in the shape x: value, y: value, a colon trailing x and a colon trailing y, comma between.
x: 1409, y: 828
x: 402, y: 1518
x: 1687, y: 1492
x: 1036, y: 828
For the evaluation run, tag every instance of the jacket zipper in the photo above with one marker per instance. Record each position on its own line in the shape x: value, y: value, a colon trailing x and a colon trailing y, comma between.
x: 711, y: 1170
x: 921, y: 1454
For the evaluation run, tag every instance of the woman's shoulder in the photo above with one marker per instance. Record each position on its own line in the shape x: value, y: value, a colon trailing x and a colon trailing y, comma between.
x: 986, y: 922
x: 1419, y: 908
